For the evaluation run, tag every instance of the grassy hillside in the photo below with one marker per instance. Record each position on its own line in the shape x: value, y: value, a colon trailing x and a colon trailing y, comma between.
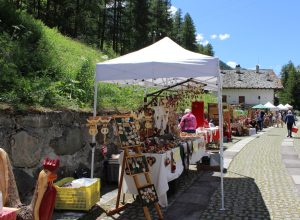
x: 41, y: 67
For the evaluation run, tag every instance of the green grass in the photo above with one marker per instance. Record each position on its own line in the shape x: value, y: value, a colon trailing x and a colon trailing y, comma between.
x: 42, y: 69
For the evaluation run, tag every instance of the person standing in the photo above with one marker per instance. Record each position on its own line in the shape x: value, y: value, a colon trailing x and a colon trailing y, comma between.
x: 188, y: 122
x: 290, y: 121
x: 259, y: 120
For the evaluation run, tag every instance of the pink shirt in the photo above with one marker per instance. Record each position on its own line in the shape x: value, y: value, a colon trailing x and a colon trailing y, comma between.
x: 188, y: 122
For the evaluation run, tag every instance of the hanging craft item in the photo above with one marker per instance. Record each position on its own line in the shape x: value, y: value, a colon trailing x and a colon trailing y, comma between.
x: 148, y: 125
x: 92, y: 124
x: 104, y: 130
x: 127, y: 131
x: 151, y: 160
x: 167, y: 161
x: 173, y: 163
x: 148, y: 195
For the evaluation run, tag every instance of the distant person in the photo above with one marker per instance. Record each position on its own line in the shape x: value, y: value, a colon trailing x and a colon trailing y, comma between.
x: 259, y: 120
x: 262, y: 116
x: 254, y: 124
x: 279, y: 120
x: 188, y: 122
x: 290, y: 121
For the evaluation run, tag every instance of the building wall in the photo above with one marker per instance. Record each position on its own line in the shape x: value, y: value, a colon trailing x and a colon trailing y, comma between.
x: 251, y: 96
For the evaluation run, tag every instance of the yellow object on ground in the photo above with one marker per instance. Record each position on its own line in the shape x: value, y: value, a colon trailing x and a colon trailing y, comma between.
x: 83, y: 198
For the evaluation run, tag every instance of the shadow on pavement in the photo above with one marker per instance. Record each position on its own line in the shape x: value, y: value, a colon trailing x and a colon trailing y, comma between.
x: 202, y: 200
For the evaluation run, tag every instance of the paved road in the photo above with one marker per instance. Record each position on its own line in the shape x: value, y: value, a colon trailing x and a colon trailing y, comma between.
x: 257, y: 185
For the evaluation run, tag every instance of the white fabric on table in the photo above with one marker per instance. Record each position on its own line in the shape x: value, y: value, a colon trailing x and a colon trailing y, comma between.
x: 160, y: 175
x: 198, y: 150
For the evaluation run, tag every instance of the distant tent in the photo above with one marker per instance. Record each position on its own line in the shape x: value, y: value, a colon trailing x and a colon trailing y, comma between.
x: 270, y: 106
x: 259, y: 106
x: 282, y: 107
x: 288, y: 106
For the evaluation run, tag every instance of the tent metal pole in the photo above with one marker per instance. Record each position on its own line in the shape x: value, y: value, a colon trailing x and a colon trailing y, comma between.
x: 220, y: 109
x: 93, y: 145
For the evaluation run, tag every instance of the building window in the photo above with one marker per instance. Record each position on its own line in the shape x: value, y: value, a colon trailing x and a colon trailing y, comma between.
x: 224, y: 98
x: 241, y: 99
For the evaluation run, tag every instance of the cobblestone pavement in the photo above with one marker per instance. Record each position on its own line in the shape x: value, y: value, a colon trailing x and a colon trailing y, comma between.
x: 256, y: 185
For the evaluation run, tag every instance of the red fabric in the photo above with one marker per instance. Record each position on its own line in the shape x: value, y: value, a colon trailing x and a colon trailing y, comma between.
x: 294, y: 129
x: 198, y: 111
x: 48, y: 202
x: 8, y: 214
x: 205, y: 123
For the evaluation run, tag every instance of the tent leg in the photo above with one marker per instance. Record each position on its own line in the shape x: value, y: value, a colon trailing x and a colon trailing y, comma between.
x: 220, y: 109
x: 93, y: 144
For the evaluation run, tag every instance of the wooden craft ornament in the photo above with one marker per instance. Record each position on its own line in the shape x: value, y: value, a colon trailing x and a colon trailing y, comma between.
x: 92, y: 124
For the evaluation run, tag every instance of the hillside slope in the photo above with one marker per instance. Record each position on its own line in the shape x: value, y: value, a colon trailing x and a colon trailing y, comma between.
x: 39, y: 66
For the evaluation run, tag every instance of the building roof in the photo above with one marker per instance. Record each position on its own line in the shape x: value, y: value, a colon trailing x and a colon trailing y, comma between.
x: 250, y: 79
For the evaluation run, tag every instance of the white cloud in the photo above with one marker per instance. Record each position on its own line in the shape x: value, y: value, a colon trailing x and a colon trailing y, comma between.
x: 204, y: 43
x: 232, y: 64
x: 173, y: 10
x: 213, y: 36
x: 199, y: 38
x: 224, y: 36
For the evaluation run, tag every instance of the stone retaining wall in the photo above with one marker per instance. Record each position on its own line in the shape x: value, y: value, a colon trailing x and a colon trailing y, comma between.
x: 29, y: 137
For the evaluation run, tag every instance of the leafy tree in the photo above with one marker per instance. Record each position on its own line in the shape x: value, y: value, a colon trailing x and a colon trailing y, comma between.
x: 289, y: 78
x: 189, y: 33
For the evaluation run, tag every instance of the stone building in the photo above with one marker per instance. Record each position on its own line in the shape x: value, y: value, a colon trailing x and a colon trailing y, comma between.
x: 250, y: 87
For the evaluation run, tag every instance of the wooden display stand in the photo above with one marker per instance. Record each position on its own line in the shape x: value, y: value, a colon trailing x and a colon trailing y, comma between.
x: 134, y: 164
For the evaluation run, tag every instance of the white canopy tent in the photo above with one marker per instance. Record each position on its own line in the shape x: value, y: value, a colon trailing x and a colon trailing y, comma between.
x: 163, y: 63
x: 282, y: 107
x: 270, y: 106
x: 288, y: 106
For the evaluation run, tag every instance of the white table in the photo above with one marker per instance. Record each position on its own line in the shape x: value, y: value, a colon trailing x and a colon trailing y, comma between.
x: 160, y: 174
x: 198, y: 151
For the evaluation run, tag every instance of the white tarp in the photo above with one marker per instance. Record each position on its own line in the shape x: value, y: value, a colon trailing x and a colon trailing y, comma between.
x: 282, y: 107
x: 164, y: 61
x: 288, y: 106
x: 270, y: 106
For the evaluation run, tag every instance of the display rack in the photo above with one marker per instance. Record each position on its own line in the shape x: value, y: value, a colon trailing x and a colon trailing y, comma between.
x: 134, y: 164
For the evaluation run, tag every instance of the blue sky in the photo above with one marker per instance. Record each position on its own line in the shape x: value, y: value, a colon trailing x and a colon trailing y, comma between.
x: 248, y: 32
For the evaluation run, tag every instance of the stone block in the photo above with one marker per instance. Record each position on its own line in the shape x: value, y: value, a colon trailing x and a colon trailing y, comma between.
x: 25, y: 151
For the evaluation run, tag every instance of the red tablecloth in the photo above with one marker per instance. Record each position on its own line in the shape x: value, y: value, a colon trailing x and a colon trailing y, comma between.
x: 8, y: 214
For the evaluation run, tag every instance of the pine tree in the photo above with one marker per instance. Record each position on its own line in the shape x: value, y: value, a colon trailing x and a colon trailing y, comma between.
x: 189, y: 33
x: 177, y: 27
x: 161, y: 19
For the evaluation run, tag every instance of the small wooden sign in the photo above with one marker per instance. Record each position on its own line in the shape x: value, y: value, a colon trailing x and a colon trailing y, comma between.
x: 136, y: 164
x: 148, y: 195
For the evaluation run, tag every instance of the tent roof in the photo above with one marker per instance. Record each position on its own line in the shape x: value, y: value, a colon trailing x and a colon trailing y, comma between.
x: 270, y: 105
x: 259, y: 106
x: 162, y: 63
x: 288, y: 106
x: 282, y: 107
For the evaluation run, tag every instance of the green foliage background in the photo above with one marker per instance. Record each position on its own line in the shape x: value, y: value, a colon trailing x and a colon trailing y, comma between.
x: 290, y: 78
x: 40, y: 67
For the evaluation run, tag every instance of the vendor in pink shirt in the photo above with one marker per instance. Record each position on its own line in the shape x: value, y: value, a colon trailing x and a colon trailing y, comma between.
x: 188, y: 122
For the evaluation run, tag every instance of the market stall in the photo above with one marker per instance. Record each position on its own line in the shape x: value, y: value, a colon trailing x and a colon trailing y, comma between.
x: 162, y: 64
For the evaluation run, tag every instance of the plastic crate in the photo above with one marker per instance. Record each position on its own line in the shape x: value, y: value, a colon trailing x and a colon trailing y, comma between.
x: 82, y: 198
